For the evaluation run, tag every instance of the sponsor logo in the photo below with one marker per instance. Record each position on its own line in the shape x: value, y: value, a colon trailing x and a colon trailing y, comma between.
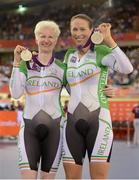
x: 52, y: 71
x: 73, y: 59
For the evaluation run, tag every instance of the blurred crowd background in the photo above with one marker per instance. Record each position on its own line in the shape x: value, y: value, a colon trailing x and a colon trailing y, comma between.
x: 18, y: 18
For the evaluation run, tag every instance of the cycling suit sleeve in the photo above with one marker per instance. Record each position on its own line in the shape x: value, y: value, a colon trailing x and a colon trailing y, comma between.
x: 118, y: 61
x: 17, y: 83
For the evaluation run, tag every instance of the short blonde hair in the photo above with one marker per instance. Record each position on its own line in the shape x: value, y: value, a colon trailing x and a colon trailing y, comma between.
x: 47, y: 24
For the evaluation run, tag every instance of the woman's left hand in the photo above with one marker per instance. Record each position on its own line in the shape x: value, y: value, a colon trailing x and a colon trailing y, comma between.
x: 109, y: 91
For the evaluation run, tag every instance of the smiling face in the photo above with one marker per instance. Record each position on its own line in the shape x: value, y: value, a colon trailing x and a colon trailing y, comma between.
x: 46, y: 39
x: 80, y: 31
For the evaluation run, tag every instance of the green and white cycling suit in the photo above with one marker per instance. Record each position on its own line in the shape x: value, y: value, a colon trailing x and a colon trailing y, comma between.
x: 88, y: 127
x: 40, y: 135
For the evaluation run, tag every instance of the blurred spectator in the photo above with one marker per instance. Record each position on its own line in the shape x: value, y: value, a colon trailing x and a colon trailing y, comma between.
x: 12, y: 106
x: 136, y: 124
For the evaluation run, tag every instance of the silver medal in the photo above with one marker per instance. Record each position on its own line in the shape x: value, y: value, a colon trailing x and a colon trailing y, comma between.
x: 97, y: 37
x: 26, y: 55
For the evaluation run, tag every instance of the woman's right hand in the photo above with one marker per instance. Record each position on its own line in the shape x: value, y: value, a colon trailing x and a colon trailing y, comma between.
x: 105, y: 29
x: 17, y: 51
